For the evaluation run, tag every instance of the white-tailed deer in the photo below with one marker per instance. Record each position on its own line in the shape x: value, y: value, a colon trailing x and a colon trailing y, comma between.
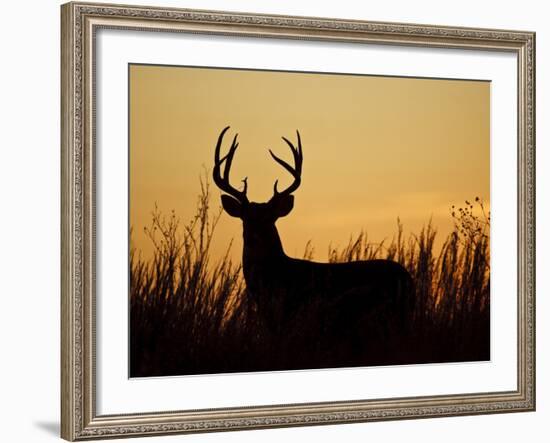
x: 283, y: 286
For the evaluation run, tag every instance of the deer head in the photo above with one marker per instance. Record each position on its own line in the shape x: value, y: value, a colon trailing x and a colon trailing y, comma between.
x: 257, y: 217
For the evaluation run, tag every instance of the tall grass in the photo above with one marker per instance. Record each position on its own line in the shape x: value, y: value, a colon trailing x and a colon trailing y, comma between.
x: 189, y: 315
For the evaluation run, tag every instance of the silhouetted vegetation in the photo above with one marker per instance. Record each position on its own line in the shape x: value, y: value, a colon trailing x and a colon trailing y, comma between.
x: 191, y: 316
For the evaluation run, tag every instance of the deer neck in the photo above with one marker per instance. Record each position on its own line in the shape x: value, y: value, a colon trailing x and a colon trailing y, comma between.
x: 262, y: 251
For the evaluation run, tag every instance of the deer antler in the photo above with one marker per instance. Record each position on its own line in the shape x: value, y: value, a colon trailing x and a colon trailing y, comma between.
x: 296, y: 171
x: 223, y: 181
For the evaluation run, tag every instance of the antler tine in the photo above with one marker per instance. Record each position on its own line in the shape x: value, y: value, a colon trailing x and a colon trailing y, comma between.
x: 296, y: 152
x: 217, y: 160
x: 229, y: 158
x: 223, y: 181
x: 296, y: 171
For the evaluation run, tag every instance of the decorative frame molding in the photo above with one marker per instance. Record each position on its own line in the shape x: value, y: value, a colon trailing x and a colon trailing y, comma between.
x: 79, y: 21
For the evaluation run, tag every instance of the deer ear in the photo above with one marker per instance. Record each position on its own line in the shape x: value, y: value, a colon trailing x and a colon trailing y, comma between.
x: 232, y: 206
x: 283, y: 204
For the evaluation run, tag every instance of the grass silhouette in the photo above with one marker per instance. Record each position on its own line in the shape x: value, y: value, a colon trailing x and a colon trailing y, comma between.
x: 191, y: 316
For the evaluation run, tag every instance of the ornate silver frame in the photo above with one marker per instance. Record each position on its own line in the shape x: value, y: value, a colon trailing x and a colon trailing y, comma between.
x: 80, y: 21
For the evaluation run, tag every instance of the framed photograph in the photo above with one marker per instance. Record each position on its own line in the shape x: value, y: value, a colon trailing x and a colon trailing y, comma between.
x: 282, y: 221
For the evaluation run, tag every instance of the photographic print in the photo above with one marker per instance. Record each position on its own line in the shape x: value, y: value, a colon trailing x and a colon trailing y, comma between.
x: 304, y: 220
x: 273, y: 221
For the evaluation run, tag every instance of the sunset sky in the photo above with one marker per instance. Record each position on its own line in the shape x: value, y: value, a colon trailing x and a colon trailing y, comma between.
x: 375, y: 148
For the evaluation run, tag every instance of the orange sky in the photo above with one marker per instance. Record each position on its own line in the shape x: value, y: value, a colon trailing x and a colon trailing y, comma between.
x: 375, y: 148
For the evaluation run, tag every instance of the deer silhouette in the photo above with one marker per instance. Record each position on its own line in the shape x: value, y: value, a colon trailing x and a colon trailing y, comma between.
x: 283, y: 286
